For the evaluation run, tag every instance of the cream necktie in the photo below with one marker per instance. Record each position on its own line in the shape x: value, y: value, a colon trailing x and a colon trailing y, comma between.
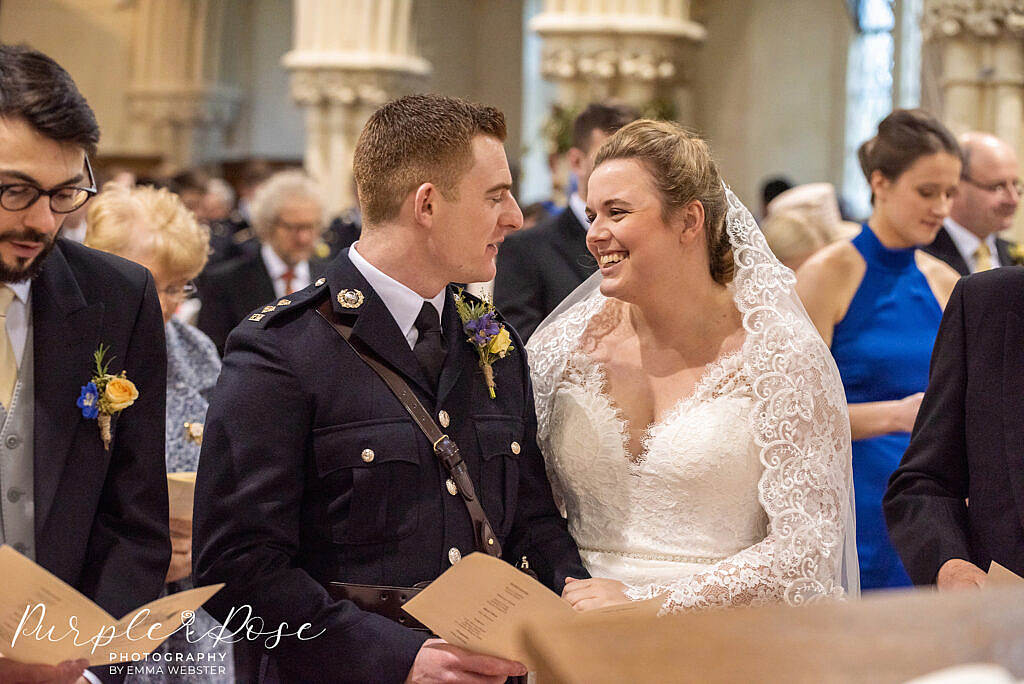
x: 8, y: 364
x: 982, y: 258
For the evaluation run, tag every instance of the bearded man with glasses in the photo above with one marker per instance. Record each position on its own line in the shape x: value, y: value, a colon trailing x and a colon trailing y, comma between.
x: 985, y: 204
x: 88, y: 505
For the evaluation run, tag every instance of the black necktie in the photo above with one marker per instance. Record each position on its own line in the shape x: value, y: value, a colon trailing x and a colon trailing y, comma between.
x: 429, y: 348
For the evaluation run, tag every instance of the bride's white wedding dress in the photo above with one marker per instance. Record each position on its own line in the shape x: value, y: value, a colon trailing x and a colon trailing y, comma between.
x: 741, y: 492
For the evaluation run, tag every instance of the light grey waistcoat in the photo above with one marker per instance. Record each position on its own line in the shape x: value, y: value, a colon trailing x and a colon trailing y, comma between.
x: 17, y: 488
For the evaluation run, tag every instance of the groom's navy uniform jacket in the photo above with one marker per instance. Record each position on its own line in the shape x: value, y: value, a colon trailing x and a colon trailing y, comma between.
x: 311, y: 471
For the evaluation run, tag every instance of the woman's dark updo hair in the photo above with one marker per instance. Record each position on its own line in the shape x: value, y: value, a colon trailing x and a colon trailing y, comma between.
x: 903, y: 137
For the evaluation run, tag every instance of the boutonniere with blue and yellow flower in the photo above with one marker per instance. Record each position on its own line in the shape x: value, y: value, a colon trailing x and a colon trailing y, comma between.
x: 487, y: 334
x: 106, y: 395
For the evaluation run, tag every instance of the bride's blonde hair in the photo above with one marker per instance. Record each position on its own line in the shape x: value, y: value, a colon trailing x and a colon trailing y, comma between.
x: 682, y: 170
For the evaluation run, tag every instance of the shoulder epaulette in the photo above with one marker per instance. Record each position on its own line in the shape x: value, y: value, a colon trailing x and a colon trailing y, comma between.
x: 295, y: 301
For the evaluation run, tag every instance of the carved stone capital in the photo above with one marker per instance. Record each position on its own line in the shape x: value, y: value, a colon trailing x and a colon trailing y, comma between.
x: 651, y: 64
x: 351, y: 87
x: 986, y: 19
x: 214, y: 106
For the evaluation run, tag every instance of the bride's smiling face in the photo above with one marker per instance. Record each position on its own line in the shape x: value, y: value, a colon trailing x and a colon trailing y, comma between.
x: 628, y: 235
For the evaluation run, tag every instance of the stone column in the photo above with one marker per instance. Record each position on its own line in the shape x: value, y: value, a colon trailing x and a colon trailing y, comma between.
x: 638, y: 51
x: 180, y: 104
x: 979, y: 47
x: 349, y: 57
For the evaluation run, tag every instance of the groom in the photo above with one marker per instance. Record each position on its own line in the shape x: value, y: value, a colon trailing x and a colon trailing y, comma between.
x: 311, y: 471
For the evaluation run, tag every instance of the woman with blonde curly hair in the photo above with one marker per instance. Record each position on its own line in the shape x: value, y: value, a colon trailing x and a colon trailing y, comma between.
x: 154, y: 228
x: 692, y: 420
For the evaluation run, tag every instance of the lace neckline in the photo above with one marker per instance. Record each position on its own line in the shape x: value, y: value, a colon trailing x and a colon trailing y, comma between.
x: 719, y: 378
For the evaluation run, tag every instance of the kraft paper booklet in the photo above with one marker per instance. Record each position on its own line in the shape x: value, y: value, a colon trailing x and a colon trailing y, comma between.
x: 181, y: 489
x: 482, y: 604
x: 44, y: 620
x: 998, y: 576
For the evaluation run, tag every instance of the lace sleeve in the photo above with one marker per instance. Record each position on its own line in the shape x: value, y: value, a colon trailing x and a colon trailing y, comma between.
x: 801, y: 428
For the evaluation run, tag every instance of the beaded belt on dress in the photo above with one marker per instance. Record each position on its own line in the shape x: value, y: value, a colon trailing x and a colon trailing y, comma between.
x: 705, y: 560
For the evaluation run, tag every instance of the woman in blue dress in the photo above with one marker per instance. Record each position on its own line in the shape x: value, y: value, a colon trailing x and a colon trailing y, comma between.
x: 877, y: 301
x: 154, y: 228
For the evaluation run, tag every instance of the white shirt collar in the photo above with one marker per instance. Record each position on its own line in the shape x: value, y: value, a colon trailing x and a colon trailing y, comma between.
x: 403, y: 303
x: 967, y: 243
x: 276, y: 267
x: 579, y: 208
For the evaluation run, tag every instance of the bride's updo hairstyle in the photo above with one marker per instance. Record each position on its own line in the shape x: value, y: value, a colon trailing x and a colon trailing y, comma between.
x: 682, y: 170
x: 903, y: 137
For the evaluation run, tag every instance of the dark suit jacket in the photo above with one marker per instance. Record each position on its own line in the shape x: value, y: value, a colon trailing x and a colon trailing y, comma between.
x: 232, y: 290
x: 944, y: 248
x: 539, y: 267
x: 100, y: 516
x: 288, y: 497
x: 968, y: 441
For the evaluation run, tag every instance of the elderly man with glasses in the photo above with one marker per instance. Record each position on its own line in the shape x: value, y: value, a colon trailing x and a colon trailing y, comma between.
x: 985, y: 204
x: 288, y: 219
x: 83, y: 491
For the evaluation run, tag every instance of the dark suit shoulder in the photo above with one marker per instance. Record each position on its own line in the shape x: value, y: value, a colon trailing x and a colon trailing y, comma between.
x: 1000, y: 286
x: 97, y: 271
x: 226, y: 271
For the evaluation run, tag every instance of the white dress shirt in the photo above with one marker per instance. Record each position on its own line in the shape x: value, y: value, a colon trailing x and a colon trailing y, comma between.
x: 277, y: 268
x: 967, y: 244
x: 403, y: 303
x: 579, y: 208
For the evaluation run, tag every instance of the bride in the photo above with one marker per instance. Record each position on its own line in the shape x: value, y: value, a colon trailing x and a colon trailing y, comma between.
x: 693, y: 422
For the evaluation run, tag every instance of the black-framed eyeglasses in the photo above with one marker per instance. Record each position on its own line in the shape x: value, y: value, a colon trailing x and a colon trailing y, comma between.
x: 63, y: 200
x: 1016, y: 184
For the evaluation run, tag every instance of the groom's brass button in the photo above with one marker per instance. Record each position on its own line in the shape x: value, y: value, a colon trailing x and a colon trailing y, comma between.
x: 12, y: 441
x: 443, y: 419
x: 454, y: 555
x: 450, y: 484
x: 13, y: 495
x: 516, y: 448
x: 368, y: 455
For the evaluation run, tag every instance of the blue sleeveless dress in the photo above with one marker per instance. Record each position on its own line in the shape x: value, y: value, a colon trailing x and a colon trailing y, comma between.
x: 883, y: 347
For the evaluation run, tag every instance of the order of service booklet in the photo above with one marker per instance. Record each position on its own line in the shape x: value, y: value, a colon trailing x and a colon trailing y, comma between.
x: 482, y: 604
x: 44, y: 620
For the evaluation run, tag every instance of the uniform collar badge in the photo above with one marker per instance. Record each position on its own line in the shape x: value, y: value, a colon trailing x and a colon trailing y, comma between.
x: 350, y: 299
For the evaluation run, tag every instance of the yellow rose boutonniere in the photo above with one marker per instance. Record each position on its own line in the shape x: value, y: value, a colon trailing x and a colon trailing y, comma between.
x: 120, y: 393
x: 106, y: 395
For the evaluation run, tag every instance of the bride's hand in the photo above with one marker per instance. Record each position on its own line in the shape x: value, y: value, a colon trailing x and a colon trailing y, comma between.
x: 593, y: 593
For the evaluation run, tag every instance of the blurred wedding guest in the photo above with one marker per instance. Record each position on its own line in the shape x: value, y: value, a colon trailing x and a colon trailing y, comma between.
x: 985, y: 204
x: 877, y: 300
x: 88, y: 504
x: 538, y: 268
x: 218, y: 201
x: 190, y: 186
x: 534, y: 214
x: 74, y: 226
x: 154, y: 228
x: 288, y: 219
x: 802, y: 220
x: 956, y: 503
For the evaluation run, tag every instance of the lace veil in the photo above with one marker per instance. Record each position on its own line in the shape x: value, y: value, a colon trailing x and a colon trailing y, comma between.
x: 799, y: 421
